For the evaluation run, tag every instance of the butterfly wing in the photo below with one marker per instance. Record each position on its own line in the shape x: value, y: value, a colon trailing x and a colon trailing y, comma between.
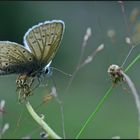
x: 43, y: 40
x: 14, y: 58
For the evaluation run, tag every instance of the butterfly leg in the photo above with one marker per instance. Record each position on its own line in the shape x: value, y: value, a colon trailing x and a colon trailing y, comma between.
x: 27, y: 87
x: 37, y: 85
x: 24, y: 84
x: 21, y: 80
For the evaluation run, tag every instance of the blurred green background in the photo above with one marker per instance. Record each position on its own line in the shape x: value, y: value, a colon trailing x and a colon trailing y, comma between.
x: 118, y: 116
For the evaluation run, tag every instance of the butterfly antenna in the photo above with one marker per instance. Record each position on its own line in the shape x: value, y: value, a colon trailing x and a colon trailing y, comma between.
x: 67, y: 74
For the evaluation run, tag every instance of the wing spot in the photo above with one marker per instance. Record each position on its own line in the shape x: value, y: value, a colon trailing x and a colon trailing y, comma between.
x: 30, y: 59
x: 23, y: 51
x: 6, y: 64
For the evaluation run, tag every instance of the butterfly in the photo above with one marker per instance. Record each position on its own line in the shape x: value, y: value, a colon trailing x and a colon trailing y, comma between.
x: 41, y: 43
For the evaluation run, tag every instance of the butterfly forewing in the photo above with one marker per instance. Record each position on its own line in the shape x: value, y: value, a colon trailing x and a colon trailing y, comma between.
x: 43, y: 40
x: 54, y: 42
x: 14, y: 58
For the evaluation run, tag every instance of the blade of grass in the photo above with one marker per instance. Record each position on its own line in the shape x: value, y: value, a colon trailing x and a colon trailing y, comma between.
x: 132, y: 63
x: 92, y: 116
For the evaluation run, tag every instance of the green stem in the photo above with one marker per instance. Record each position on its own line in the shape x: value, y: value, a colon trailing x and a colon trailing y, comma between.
x: 132, y: 63
x: 92, y: 116
x: 41, y: 122
x: 100, y: 104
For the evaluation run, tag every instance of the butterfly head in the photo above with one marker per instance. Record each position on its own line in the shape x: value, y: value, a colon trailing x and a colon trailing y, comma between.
x: 46, y: 71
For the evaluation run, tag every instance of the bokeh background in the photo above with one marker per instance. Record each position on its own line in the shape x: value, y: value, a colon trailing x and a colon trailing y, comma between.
x: 118, y: 116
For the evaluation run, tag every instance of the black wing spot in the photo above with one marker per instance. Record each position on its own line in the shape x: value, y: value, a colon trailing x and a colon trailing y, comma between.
x: 30, y: 59
x: 6, y: 64
x: 23, y: 51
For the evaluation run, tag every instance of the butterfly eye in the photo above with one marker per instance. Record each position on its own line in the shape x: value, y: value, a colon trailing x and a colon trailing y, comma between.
x: 47, y: 71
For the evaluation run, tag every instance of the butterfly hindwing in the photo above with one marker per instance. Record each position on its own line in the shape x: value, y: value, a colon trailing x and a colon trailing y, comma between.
x: 14, y: 58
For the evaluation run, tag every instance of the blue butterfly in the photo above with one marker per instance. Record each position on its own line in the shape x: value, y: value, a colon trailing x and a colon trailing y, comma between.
x: 41, y: 43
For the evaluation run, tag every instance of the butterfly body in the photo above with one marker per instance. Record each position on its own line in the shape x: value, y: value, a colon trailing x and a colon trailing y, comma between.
x: 41, y: 43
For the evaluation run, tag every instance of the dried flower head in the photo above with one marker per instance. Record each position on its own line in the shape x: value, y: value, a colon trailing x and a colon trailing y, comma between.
x: 115, y: 73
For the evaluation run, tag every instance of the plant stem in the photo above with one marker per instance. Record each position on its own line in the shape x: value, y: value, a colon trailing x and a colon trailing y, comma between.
x: 92, y: 116
x: 132, y: 63
x: 41, y: 122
